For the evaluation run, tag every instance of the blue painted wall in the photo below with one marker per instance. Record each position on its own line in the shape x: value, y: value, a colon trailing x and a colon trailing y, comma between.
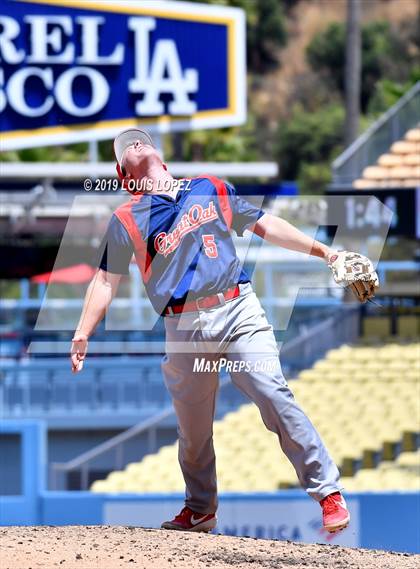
x: 25, y: 508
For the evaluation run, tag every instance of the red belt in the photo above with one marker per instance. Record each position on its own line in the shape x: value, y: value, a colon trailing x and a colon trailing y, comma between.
x: 203, y: 302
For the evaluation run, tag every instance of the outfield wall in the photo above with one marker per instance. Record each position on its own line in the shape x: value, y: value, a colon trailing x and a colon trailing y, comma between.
x: 379, y: 519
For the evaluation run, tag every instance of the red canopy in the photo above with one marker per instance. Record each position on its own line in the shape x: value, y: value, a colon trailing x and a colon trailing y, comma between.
x: 76, y: 274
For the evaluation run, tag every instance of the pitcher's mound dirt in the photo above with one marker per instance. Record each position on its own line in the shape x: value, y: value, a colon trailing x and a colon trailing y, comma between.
x: 104, y: 547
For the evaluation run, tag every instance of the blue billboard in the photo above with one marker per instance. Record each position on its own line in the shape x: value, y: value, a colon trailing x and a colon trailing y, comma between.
x: 83, y: 70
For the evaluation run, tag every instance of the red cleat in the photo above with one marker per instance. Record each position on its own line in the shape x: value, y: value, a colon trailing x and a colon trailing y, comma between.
x: 334, y: 512
x: 187, y: 520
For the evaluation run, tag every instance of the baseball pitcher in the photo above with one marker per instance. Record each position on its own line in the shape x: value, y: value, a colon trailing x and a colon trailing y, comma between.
x: 180, y: 234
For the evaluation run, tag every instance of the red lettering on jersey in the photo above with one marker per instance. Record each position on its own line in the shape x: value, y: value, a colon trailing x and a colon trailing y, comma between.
x: 166, y: 243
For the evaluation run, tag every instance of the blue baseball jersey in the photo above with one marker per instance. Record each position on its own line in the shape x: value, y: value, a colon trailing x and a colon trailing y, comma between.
x: 182, y: 245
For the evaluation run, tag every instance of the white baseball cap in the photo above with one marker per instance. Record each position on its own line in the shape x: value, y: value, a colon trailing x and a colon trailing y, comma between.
x: 128, y: 137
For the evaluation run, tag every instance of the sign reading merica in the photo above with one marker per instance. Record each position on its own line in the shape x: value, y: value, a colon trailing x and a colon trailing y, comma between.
x: 73, y: 70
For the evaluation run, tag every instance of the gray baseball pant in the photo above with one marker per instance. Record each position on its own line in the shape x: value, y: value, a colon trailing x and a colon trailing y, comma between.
x: 236, y: 330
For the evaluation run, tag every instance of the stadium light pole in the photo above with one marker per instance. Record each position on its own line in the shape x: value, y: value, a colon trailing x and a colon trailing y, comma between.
x: 352, y: 71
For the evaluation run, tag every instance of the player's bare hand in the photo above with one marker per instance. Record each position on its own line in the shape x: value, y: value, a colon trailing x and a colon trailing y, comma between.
x: 78, y: 352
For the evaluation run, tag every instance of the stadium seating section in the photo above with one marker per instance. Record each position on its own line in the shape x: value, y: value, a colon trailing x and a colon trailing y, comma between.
x: 399, y: 168
x: 365, y: 402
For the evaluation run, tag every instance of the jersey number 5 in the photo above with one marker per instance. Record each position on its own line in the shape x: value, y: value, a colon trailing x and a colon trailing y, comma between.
x: 210, y: 247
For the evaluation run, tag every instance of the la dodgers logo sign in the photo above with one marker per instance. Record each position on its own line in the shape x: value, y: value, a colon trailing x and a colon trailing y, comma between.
x: 74, y: 70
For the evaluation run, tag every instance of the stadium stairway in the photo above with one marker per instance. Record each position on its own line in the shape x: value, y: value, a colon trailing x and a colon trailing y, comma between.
x: 364, y: 401
x: 399, y: 168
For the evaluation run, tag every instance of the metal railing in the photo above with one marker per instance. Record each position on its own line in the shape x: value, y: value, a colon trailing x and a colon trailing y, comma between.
x: 312, y: 343
x: 298, y: 354
x: 377, y: 139
x: 59, y: 471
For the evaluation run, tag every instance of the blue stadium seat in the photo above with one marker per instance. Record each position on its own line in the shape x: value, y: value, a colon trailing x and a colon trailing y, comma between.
x: 132, y: 393
x: 108, y: 394
x: 60, y: 394
x: 13, y: 396
x: 38, y: 395
x: 85, y: 391
x: 156, y: 395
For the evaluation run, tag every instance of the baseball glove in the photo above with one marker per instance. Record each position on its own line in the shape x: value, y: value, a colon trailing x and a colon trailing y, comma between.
x: 356, y: 272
